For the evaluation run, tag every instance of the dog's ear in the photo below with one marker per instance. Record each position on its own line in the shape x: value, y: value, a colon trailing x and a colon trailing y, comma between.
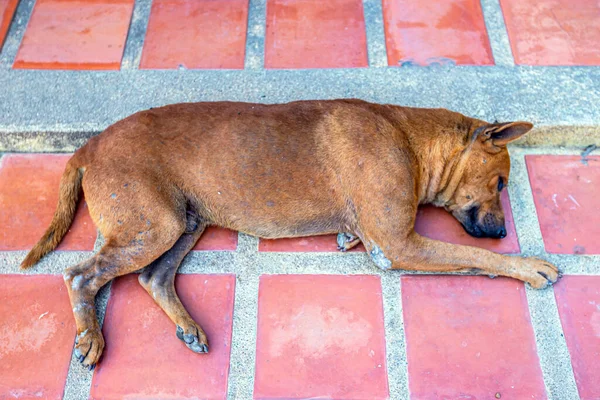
x: 501, y: 134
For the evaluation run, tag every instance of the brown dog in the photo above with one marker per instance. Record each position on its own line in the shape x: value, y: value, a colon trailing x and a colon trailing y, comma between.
x: 155, y: 180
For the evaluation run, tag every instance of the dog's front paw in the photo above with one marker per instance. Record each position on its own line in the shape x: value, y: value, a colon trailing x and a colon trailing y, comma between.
x: 194, y: 338
x: 540, y: 273
x: 89, y: 345
x: 346, y: 241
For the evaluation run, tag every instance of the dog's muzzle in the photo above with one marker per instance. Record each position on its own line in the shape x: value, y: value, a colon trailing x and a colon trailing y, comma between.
x: 490, y: 227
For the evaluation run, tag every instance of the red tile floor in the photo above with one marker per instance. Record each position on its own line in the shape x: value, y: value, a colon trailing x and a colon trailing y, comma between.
x: 553, y: 32
x: 307, y: 322
x: 84, y: 34
x: 201, y: 34
x: 91, y: 34
x: 436, y: 32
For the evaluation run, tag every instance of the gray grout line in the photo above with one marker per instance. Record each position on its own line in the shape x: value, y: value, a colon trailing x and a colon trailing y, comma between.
x: 79, y: 379
x: 497, y: 33
x: 223, y: 262
x: 245, y: 319
x: 552, y: 350
x: 550, y: 342
x: 375, y: 33
x: 136, y: 35
x: 255, y: 34
x: 397, y: 364
x: 243, y: 340
x: 16, y: 33
x: 54, y: 263
x: 525, y: 214
x: 247, y: 243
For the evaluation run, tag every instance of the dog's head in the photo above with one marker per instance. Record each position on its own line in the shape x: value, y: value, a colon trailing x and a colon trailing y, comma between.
x: 484, y: 172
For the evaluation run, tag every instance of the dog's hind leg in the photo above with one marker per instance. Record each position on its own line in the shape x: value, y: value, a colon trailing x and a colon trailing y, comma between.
x: 159, y: 281
x: 121, y: 254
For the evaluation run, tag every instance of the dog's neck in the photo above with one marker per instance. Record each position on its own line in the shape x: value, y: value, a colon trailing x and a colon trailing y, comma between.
x: 441, y: 151
x: 441, y: 170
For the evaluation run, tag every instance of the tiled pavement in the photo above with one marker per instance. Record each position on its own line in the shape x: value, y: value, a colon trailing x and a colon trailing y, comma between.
x: 294, y: 318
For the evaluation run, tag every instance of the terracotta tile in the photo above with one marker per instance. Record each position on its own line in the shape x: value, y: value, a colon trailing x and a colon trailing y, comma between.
x: 196, y: 34
x: 325, y: 243
x: 215, y: 238
x: 7, y: 10
x: 432, y: 222
x: 553, y: 32
x: 320, y: 336
x: 435, y: 32
x: 438, y: 224
x: 37, y: 332
x: 143, y: 357
x: 79, y: 34
x: 578, y: 299
x: 566, y: 200
x: 315, y: 34
x: 28, y: 197
x: 469, y: 337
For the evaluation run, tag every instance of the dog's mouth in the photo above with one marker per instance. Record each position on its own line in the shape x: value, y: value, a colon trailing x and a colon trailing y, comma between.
x: 471, y: 225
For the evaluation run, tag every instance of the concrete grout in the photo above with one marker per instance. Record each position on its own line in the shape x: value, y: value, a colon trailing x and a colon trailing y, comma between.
x: 524, y: 212
x: 550, y: 341
x: 551, y: 344
x: 376, y: 45
x: 245, y: 319
x: 397, y: 363
x: 132, y: 54
x: 15, y: 34
x: 255, y: 35
x: 497, y: 33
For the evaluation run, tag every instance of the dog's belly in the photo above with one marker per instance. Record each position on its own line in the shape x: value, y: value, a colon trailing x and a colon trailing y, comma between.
x: 271, y: 215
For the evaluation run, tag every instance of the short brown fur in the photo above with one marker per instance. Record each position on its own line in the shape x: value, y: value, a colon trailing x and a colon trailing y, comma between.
x: 156, y: 179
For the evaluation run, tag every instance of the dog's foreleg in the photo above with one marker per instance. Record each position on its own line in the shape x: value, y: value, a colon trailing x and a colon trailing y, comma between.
x: 83, y: 282
x: 423, y: 254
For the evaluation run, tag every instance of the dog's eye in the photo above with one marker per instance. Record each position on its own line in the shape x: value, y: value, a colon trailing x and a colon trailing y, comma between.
x: 500, y: 184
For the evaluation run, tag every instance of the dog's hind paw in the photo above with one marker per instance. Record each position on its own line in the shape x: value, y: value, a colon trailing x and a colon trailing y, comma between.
x: 196, y: 341
x: 346, y: 241
x: 88, y: 348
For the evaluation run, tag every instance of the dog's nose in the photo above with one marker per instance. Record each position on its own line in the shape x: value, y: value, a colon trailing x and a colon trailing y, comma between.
x: 501, y: 232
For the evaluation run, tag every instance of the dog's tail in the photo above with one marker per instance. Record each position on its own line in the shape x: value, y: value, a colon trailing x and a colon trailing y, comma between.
x: 70, y: 188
